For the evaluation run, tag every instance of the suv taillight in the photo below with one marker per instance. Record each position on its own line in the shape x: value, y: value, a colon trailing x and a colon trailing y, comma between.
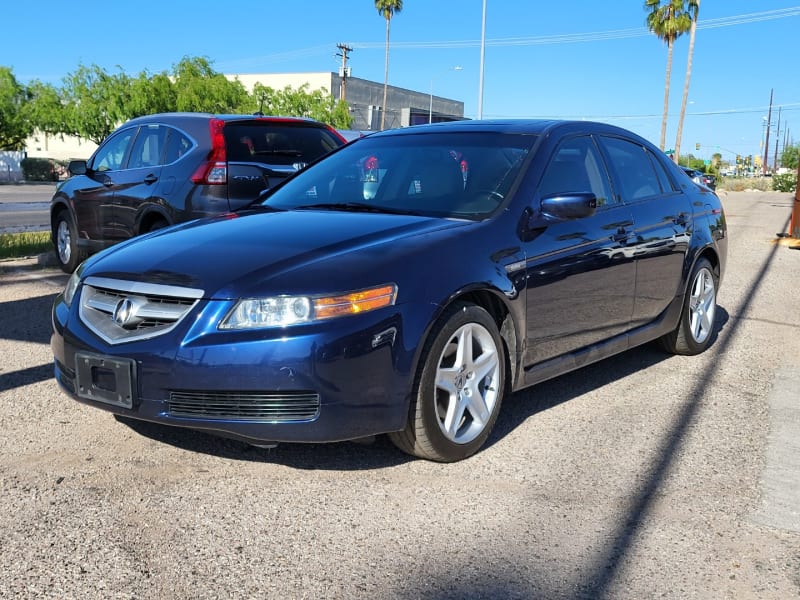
x: 214, y: 170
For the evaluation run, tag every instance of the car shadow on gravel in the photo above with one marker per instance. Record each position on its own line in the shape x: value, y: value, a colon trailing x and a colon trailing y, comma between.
x: 348, y: 456
x: 520, y: 406
x: 380, y: 452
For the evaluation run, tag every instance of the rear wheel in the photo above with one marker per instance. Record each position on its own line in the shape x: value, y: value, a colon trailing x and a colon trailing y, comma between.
x: 65, y: 243
x: 459, y: 388
x: 696, y: 327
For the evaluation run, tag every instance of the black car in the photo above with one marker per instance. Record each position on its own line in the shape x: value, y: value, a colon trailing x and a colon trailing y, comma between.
x: 706, y: 179
x: 403, y: 284
x: 162, y: 169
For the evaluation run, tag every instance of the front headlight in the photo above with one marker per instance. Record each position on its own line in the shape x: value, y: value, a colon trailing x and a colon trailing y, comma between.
x: 281, y: 311
x: 72, y: 286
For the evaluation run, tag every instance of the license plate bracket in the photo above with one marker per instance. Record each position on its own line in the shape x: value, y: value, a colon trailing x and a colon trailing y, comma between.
x: 104, y: 379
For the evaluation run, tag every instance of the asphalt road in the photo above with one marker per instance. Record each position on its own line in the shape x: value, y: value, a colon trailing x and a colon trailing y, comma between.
x: 645, y: 475
x: 25, y: 207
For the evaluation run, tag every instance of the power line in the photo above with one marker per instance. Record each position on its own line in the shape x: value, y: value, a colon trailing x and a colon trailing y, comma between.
x: 571, y: 38
x: 567, y: 38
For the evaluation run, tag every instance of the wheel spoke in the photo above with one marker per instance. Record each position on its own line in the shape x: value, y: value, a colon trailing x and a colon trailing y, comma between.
x: 485, y: 364
x: 454, y: 415
x: 446, y: 379
x: 477, y: 408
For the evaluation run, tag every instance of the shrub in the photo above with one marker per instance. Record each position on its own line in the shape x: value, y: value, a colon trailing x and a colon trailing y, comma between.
x: 42, y: 169
x: 784, y: 183
x: 740, y: 184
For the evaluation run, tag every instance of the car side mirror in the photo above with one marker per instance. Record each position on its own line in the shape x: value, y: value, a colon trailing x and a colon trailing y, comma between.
x: 575, y: 205
x: 77, y: 167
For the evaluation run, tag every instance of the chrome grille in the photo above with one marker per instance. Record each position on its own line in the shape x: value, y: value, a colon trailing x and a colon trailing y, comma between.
x: 246, y: 406
x: 124, y: 311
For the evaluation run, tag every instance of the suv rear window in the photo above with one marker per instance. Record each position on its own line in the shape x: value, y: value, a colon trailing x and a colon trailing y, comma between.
x: 277, y: 143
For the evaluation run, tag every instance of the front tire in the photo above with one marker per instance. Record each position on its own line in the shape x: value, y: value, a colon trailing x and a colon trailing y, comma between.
x: 459, y: 388
x: 65, y: 243
x: 696, y: 327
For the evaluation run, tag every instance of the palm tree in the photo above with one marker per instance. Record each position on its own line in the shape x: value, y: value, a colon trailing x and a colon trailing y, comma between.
x: 694, y: 11
x: 668, y: 22
x: 387, y: 9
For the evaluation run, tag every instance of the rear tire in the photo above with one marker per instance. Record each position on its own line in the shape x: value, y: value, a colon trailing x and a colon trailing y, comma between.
x: 459, y: 388
x: 695, y: 330
x: 65, y: 243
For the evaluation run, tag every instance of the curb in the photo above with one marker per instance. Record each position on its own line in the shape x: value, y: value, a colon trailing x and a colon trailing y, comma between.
x: 46, y: 260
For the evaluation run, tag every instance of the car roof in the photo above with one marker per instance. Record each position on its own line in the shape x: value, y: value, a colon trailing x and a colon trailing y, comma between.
x: 515, y: 126
x: 178, y: 117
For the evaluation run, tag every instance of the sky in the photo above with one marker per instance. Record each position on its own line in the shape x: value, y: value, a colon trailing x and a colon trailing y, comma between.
x: 576, y: 59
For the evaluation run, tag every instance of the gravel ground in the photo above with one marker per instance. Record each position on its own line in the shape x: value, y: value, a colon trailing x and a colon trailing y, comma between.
x: 636, y: 477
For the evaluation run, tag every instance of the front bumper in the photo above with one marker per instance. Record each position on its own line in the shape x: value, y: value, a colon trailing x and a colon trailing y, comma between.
x: 329, y: 382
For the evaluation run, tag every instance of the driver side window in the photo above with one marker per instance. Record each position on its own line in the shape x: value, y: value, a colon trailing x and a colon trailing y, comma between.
x: 576, y: 166
x: 110, y: 155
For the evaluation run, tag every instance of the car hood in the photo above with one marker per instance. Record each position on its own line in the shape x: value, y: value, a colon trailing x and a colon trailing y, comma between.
x: 234, y: 255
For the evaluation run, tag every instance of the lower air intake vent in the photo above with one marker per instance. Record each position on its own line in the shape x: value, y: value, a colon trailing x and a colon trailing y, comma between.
x: 245, y: 406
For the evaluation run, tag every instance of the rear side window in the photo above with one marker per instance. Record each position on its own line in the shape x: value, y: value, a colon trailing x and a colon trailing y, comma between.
x: 177, y: 145
x: 636, y: 175
x: 148, y: 147
x: 277, y: 143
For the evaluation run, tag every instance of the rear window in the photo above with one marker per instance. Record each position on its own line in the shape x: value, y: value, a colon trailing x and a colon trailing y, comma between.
x: 278, y: 143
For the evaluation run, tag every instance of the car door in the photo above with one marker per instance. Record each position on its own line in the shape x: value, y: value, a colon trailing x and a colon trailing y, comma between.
x: 137, y: 184
x: 580, y: 272
x: 94, y: 199
x: 662, y: 224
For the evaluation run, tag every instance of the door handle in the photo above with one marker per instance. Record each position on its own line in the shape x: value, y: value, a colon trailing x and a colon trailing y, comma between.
x: 681, y: 219
x: 150, y: 179
x: 622, y: 235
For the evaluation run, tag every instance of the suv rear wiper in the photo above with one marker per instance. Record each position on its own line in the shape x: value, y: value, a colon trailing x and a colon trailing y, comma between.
x: 356, y: 207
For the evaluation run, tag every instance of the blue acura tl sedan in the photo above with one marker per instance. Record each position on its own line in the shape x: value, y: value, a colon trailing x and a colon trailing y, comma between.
x: 403, y: 284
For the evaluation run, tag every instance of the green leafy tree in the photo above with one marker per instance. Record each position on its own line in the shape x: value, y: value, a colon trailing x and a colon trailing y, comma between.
x: 151, y: 94
x: 46, y: 108
x: 693, y: 8
x: 789, y: 157
x: 387, y: 9
x: 15, y: 126
x: 94, y: 102
x: 668, y: 21
x: 199, y: 88
x: 290, y: 102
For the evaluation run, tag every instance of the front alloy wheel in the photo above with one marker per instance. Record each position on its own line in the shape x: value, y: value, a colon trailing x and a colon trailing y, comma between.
x: 466, y: 383
x: 459, y: 389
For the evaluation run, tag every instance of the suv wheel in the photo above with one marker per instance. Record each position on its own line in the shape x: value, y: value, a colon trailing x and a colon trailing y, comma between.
x: 65, y: 243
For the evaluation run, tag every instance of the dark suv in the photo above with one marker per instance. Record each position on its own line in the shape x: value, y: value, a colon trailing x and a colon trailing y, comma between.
x: 162, y: 169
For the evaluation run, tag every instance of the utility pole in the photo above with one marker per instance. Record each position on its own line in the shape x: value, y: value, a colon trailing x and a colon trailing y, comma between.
x: 766, y: 140
x: 344, y: 49
x: 777, y: 139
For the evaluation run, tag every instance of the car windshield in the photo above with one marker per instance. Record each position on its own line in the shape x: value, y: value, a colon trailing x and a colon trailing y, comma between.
x: 459, y: 175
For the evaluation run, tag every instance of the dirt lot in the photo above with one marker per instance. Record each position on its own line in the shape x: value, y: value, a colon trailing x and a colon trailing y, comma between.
x: 642, y: 476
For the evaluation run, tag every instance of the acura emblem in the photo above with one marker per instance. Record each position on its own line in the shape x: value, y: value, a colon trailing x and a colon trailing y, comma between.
x: 125, y: 313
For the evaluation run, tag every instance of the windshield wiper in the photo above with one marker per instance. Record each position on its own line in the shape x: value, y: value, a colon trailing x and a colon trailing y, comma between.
x: 356, y: 207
